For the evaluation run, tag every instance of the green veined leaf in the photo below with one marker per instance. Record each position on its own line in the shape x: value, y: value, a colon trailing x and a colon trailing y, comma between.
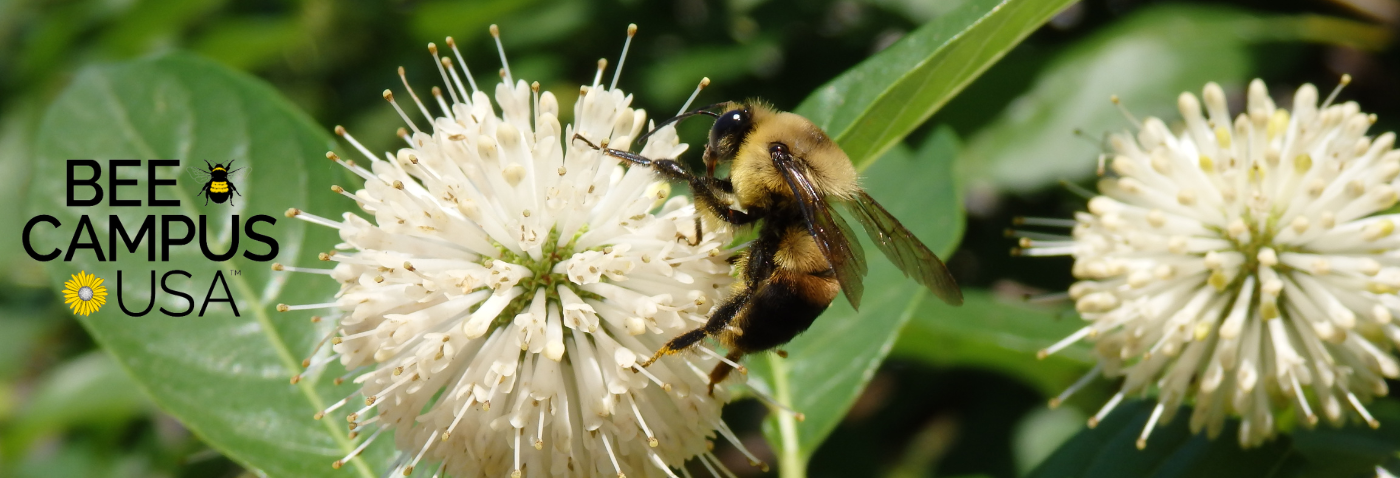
x: 871, y: 107
x: 999, y: 334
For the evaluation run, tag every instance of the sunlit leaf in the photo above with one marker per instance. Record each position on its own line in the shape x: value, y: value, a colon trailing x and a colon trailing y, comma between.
x: 871, y: 107
x: 1001, y: 334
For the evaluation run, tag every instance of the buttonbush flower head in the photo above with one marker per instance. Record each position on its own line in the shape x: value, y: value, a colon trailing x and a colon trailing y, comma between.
x: 1245, y: 264
x: 503, y: 281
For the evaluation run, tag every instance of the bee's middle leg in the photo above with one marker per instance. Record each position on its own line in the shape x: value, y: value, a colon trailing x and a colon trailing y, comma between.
x: 718, y: 321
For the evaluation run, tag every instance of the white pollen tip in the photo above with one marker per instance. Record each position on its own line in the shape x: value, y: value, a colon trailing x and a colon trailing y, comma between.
x: 495, y: 30
x: 632, y: 29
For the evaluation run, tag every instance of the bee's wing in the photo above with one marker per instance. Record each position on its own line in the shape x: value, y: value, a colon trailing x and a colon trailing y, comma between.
x: 239, y: 175
x: 904, y: 249
x: 831, y: 232
x: 200, y: 176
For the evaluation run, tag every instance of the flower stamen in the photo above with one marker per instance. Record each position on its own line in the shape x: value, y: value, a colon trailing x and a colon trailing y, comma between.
x: 467, y: 72
x: 505, y: 66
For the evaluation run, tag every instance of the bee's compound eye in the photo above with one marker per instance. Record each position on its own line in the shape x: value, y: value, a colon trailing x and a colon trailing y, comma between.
x: 733, y: 122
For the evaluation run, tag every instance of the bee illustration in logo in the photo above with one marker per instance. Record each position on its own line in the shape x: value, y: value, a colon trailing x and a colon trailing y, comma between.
x: 218, y: 184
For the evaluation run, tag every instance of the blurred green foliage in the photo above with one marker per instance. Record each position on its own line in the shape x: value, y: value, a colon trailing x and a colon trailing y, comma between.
x: 963, y: 394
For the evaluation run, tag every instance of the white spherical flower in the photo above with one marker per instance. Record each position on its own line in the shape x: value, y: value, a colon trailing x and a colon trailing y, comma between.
x: 1247, y: 265
x: 494, y: 305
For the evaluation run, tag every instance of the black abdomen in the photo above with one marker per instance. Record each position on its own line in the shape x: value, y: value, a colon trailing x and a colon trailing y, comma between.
x: 782, y: 308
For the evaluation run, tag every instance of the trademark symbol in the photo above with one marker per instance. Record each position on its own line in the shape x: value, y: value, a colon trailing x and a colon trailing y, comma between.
x: 235, y: 272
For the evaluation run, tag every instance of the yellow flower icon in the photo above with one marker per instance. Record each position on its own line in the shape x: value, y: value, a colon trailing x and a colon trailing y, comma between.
x: 84, y: 293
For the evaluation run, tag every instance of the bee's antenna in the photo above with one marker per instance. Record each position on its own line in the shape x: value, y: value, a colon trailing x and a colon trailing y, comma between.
x: 206, y: 163
x: 702, y: 111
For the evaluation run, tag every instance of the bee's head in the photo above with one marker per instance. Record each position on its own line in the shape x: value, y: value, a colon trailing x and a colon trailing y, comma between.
x: 728, y: 133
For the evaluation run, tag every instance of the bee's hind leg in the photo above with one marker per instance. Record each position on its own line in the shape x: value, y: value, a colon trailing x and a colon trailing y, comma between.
x: 699, y: 232
x: 723, y: 368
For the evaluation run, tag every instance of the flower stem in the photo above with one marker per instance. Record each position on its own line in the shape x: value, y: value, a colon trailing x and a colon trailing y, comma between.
x: 790, y: 461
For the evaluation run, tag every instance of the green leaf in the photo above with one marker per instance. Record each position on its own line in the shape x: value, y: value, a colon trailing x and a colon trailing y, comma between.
x: 523, y: 23
x: 250, y: 43
x: 1110, y: 451
x: 872, y: 107
x: 830, y: 364
x: 17, y: 126
x: 1146, y: 60
x: 90, y: 388
x: 1040, y: 432
x: 224, y: 376
x: 999, y: 334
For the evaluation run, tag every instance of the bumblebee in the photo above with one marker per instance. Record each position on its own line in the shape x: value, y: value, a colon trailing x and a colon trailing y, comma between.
x: 217, y: 185
x: 787, y: 175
